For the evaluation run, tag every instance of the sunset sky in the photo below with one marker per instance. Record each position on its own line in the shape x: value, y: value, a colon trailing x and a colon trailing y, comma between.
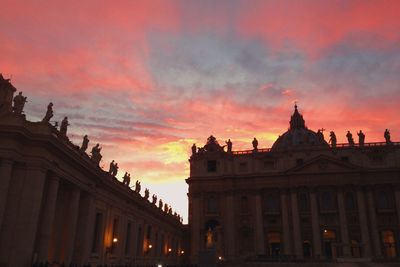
x: 147, y: 79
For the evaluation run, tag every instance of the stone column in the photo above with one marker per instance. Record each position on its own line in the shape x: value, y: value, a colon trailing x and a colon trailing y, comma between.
x: 230, y: 227
x: 298, y: 248
x: 374, y: 225
x: 46, y: 226
x: 28, y: 216
x: 287, y: 249
x: 397, y: 199
x: 260, y: 245
x: 317, y: 250
x: 5, y: 174
x: 69, y: 231
x: 85, y: 229
x: 344, y: 231
x: 362, y: 214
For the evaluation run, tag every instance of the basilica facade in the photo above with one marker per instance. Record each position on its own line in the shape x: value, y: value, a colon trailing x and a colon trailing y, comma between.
x: 58, y: 206
x: 303, y: 199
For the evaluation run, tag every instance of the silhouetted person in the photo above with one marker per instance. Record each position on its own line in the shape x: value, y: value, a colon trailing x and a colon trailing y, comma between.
x: 361, y: 138
x: 332, y: 139
x: 229, y: 145
x: 350, y: 138
x: 387, y: 137
x: 49, y: 113
x: 255, y: 144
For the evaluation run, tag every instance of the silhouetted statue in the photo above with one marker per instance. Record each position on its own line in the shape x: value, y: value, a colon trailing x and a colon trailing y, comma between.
x: 320, y: 136
x: 49, y: 113
x: 165, y: 207
x: 64, y: 126
x: 170, y: 210
x: 6, y: 95
x: 361, y: 138
x: 126, y: 179
x: 154, y: 199
x: 332, y: 139
x: 160, y: 204
x: 137, y: 186
x: 229, y: 146
x: 85, y: 143
x: 146, y: 193
x: 255, y: 144
x: 350, y: 138
x: 387, y: 137
x: 113, y: 170
x: 96, y: 155
x: 19, y: 103
x: 194, y: 149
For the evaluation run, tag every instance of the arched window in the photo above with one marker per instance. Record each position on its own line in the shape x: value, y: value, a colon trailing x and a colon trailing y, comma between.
x: 389, y: 243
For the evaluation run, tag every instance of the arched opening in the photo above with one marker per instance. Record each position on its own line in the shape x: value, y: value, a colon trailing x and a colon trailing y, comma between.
x: 211, y: 236
x: 355, y: 249
x: 389, y: 243
x: 274, y: 243
x: 307, y: 249
x: 329, y: 242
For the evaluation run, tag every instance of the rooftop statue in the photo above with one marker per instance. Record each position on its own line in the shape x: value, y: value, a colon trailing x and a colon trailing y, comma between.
x: 126, y: 179
x: 255, y: 144
x: 146, y: 193
x: 6, y: 95
x: 170, y: 210
x: 229, y: 145
x: 154, y: 199
x: 361, y: 138
x: 96, y: 155
x: 332, y: 139
x: 212, y: 145
x: 165, y: 207
x: 137, y: 186
x: 19, y: 103
x: 85, y: 143
x: 64, y: 126
x: 320, y: 136
x: 194, y: 149
x: 160, y: 204
x: 350, y: 138
x: 49, y: 113
x: 387, y: 137
x: 113, y: 170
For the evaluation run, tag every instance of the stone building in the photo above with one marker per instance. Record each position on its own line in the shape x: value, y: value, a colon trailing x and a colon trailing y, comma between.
x: 58, y: 205
x: 302, y: 199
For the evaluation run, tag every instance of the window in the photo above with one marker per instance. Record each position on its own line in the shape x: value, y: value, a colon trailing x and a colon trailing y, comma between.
x: 272, y: 202
x: 139, y: 242
x: 303, y: 202
x: 274, y: 243
x: 384, y: 200
x: 97, y: 232
x: 244, y: 205
x: 327, y: 201
x: 114, y: 235
x: 243, y: 166
x: 350, y: 202
x: 212, y: 166
x: 307, y: 249
x: 211, y: 205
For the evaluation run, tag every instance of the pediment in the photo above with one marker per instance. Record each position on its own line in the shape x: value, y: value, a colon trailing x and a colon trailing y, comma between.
x: 324, y: 163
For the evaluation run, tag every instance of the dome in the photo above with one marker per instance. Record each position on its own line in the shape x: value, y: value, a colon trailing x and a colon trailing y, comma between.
x: 298, y: 135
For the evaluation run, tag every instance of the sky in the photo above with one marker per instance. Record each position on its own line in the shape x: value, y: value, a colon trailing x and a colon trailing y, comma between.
x: 147, y: 79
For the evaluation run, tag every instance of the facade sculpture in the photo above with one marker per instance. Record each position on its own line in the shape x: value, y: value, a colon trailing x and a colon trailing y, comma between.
x: 154, y: 201
x: 113, y: 170
x: 85, y: 143
x: 300, y: 200
x: 19, y: 103
x: 49, y: 113
x: 146, y: 193
x: 361, y: 138
x: 96, y: 155
x: 350, y: 138
x: 137, y: 186
x: 194, y: 149
x: 126, y: 179
x: 387, y: 136
x: 64, y: 126
x: 255, y: 144
x: 229, y: 145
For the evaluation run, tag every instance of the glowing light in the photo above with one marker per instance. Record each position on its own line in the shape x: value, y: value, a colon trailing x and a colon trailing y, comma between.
x: 170, y: 249
x: 159, y: 265
x: 325, y: 231
x: 182, y: 252
x: 220, y: 258
x: 150, y: 246
x: 115, y: 240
